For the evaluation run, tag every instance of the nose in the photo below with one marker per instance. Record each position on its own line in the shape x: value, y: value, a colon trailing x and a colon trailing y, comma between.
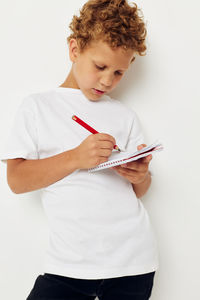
x: 106, y: 80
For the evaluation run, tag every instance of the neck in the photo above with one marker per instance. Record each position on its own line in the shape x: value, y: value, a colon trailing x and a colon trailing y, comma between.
x: 70, y: 81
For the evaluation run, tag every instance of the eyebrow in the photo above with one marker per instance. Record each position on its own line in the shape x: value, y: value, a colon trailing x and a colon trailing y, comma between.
x: 104, y: 66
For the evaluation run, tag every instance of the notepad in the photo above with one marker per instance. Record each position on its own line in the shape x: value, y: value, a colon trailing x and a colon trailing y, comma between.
x: 118, y: 158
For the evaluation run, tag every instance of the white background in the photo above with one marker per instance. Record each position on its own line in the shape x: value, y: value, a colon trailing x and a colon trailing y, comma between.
x: 162, y: 87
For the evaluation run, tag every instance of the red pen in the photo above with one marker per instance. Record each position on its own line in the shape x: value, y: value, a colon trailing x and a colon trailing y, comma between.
x: 89, y: 128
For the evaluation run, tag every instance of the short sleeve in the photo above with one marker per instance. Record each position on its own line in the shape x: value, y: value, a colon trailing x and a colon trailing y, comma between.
x: 136, y: 136
x: 22, y: 139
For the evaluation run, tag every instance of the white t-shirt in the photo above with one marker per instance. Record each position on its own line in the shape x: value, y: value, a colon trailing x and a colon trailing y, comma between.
x: 98, y: 227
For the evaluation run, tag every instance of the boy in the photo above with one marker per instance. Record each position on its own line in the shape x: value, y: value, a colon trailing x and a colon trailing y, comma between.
x: 101, y: 240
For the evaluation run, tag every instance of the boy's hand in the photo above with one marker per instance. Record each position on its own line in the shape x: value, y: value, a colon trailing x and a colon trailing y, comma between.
x: 135, y: 171
x: 94, y: 150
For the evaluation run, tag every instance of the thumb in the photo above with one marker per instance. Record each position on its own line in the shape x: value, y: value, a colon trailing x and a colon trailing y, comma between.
x: 139, y: 147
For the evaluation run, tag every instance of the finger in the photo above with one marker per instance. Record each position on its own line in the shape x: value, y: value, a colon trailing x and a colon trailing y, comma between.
x: 131, y: 165
x: 138, y: 165
x: 106, y: 137
x: 126, y: 171
x: 148, y: 158
x: 105, y: 144
x: 104, y: 153
x: 139, y: 147
x: 132, y: 176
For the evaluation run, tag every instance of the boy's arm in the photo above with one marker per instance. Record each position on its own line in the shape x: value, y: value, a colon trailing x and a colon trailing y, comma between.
x: 140, y: 189
x: 28, y: 175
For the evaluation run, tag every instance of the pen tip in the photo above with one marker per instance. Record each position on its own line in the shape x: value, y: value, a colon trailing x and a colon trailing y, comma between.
x: 117, y: 148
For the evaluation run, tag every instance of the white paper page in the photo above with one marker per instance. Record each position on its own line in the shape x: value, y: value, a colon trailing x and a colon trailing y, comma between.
x: 119, y: 158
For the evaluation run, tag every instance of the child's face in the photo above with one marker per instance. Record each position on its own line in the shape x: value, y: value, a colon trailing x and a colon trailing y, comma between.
x: 98, y: 67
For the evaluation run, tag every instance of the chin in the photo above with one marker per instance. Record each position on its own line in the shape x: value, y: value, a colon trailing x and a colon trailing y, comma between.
x: 92, y: 97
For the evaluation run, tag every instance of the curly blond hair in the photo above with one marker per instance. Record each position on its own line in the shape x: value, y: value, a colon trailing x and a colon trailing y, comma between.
x: 112, y: 21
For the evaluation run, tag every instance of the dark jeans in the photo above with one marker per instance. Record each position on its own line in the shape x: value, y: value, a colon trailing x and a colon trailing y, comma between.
x: 56, y: 287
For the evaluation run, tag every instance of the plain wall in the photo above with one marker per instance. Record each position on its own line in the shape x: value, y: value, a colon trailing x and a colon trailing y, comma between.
x: 162, y: 87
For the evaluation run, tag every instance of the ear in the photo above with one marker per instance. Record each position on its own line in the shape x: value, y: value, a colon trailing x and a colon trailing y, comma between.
x: 132, y: 60
x: 73, y: 50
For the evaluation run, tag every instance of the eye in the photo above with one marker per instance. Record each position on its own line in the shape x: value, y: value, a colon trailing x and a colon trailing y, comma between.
x: 118, y: 73
x: 102, y: 68
x: 99, y: 68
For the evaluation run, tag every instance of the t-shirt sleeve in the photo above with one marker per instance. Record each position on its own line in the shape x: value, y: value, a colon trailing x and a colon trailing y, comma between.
x: 22, y: 139
x: 136, y: 136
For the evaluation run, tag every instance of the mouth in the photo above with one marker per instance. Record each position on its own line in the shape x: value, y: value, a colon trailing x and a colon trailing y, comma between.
x: 99, y: 92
